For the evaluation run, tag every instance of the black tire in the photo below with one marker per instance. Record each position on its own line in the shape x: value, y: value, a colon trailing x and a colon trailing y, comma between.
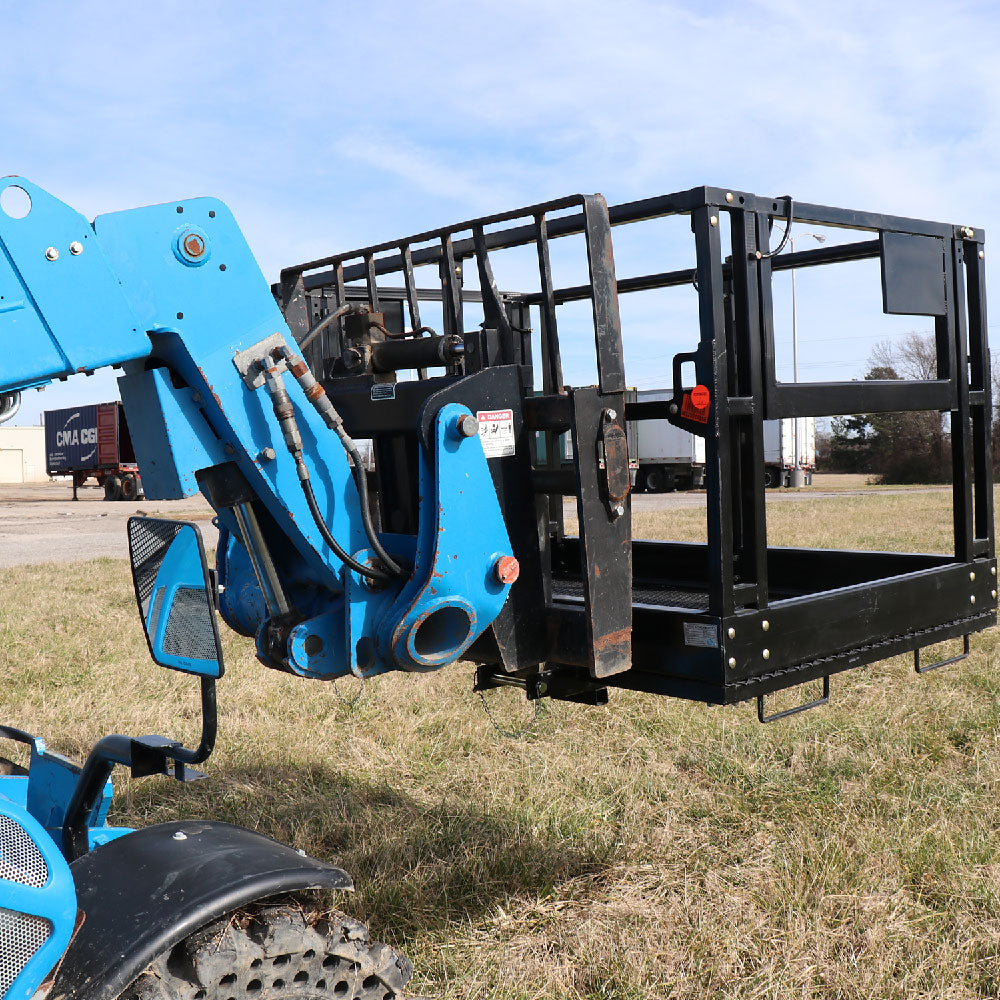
x: 130, y: 488
x: 653, y: 480
x: 771, y: 477
x: 112, y: 488
x: 276, y: 951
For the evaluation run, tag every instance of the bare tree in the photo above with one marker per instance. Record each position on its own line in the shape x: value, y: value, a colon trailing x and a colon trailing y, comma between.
x: 914, y: 356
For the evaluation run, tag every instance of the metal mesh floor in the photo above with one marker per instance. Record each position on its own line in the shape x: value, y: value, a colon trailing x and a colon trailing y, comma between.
x: 667, y: 597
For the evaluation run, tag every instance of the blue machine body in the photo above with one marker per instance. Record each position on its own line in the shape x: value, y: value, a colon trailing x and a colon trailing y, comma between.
x: 172, y: 295
x: 37, y: 894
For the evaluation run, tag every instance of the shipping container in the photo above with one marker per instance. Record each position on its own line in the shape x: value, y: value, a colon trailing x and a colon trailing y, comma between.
x: 93, y: 441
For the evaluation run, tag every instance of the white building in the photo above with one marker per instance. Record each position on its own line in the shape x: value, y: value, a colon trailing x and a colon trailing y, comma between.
x: 22, y: 455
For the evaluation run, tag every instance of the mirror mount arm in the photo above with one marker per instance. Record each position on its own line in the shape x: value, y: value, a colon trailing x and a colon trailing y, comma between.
x: 148, y: 755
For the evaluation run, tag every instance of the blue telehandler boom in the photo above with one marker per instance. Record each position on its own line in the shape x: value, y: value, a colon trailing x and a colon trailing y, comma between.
x: 454, y: 545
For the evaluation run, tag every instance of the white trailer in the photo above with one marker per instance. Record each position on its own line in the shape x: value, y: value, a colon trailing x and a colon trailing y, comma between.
x: 665, y: 457
x: 781, y: 439
x: 668, y: 458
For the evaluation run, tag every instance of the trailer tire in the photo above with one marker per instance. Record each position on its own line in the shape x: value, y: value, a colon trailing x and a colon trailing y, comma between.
x: 772, y: 477
x: 654, y: 480
x: 279, y: 950
x: 112, y: 488
x: 130, y: 488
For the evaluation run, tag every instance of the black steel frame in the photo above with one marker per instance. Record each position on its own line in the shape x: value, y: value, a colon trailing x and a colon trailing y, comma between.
x: 721, y: 622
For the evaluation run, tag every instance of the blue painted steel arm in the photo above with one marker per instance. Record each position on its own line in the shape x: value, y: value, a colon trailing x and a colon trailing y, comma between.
x: 173, y: 295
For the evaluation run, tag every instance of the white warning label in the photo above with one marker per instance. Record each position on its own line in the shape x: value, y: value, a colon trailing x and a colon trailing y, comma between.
x: 496, y: 431
x: 700, y: 634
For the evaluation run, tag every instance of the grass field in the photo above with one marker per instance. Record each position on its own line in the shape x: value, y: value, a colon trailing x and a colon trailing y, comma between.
x: 650, y: 849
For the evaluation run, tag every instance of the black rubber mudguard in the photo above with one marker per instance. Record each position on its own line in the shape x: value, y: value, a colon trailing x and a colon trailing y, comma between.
x: 144, y: 892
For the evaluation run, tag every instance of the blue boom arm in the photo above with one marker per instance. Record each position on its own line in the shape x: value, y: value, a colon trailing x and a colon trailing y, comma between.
x: 217, y: 400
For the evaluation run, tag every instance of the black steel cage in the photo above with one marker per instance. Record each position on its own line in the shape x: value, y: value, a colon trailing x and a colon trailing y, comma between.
x: 721, y: 621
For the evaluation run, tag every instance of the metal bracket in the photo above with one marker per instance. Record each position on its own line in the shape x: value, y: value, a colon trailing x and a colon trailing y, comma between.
x: 941, y: 663
x: 246, y: 361
x: 815, y: 703
x: 614, y: 446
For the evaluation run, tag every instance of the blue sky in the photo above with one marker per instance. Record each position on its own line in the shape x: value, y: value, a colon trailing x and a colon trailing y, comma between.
x: 333, y: 125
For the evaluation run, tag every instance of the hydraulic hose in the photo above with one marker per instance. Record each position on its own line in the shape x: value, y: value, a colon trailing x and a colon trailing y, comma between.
x: 319, y: 327
x: 784, y: 236
x: 285, y: 413
x: 316, y: 395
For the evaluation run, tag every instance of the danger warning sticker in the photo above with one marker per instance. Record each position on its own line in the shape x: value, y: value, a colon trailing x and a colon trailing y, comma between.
x: 496, y: 431
x: 696, y: 403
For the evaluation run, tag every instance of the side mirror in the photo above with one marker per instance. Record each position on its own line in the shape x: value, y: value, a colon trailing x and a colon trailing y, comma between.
x: 173, y: 589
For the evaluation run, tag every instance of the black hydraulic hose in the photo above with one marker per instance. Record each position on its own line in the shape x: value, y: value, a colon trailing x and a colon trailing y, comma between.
x: 338, y: 551
x: 285, y: 413
x: 316, y: 394
x: 319, y: 327
x: 785, y: 234
x: 361, y: 481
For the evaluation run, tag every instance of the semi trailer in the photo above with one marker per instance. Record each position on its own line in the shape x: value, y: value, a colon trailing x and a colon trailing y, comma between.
x: 93, y: 441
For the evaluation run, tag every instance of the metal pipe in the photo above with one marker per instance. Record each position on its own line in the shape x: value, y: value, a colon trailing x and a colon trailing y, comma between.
x: 260, y: 558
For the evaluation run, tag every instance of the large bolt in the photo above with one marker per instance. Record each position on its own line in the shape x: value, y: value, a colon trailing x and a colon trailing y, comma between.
x: 506, y: 569
x: 76, y: 248
x: 467, y: 426
x: 52, y: 254
x: 194, y: 245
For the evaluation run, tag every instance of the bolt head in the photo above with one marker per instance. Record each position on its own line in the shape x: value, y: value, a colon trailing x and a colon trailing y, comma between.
x: 467, y: 426
x: 194, y: 245
x: 732, y: 633
x: 673, y: 408
x: 267, y: 455
x: 618, y: 509
x: 52, y: 254
x: 766, y: 654
x: 993, y: 571
x: 506, y: 569
x: 76, y: 248
x: 732, y: 661
x: 765, y: 624
x: 982, y: 255
x: 972, y: 599
x: 611, y: 414
x: 729, y: 197
x: 993, y: 594
x: 180, y: 835
x: 714, y: 220
x: 972, y: 576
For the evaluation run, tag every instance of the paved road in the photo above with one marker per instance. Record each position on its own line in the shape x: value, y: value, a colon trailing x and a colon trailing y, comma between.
x: 41, y: 523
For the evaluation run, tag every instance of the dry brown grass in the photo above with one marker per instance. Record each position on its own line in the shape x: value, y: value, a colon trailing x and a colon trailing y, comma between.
x: 654, y: 848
